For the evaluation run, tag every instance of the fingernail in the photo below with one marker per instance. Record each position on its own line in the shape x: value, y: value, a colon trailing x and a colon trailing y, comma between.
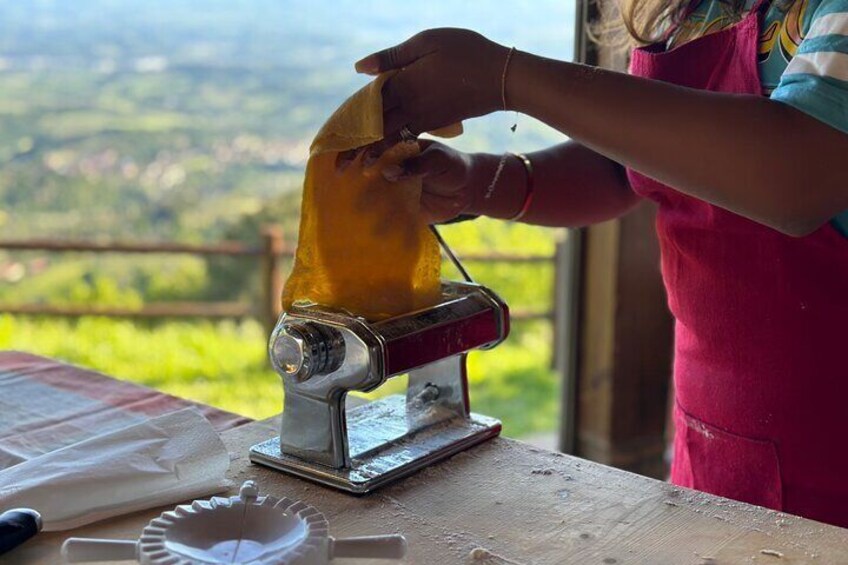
x: 367, y: 66
x: 393, y: 173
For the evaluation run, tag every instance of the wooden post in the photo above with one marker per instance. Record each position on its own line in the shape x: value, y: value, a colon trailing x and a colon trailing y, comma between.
x: 624, y: 329
x: 625, y: 343
x: 272, y: 277
x: 567, y: 265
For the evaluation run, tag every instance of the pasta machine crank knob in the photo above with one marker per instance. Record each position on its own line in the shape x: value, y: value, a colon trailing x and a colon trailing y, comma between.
x: 304, y: 350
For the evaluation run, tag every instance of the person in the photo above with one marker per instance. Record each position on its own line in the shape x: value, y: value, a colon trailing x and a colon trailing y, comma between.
x: 734, y: 120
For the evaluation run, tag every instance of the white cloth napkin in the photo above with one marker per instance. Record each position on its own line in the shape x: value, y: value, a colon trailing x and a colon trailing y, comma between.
x: 162, y: 461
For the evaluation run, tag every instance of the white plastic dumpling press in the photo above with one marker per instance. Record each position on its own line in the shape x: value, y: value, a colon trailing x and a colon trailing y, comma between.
x: 245, y: 529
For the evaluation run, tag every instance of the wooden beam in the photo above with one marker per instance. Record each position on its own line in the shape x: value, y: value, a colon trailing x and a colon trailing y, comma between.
x: 152, y: 310
x: 221, y: 248
x: 625, y: 346
x: 624, y: 331
x: 566, y: 323
x: 272, y: 277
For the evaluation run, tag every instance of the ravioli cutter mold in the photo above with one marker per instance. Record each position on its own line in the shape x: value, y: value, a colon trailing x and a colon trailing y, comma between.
x: 247, y: 529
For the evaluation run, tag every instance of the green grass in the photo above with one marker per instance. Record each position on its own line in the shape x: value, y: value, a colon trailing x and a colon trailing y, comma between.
x: 223, y: 364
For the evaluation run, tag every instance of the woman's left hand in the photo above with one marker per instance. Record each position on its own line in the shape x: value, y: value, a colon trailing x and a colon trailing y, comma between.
x: 447, y: 180
x: 444, y: 76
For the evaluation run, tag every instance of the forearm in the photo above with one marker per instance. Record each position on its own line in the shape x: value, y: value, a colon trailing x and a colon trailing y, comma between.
x: 573, y: 186
x: 747, y: 154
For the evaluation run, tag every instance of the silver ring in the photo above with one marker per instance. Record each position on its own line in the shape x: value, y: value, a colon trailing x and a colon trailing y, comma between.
x: 407, y: 135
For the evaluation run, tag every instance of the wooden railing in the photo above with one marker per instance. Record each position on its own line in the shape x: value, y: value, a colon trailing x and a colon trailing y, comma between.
x: 269, y: 255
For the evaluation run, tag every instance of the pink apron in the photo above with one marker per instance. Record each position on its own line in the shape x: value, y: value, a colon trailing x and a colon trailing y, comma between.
x: 761, y: 332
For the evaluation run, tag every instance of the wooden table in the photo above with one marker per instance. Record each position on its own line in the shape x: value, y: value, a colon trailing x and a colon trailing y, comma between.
x: 505, y: 502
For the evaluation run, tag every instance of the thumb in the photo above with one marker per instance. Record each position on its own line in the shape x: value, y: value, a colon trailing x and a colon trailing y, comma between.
x: 430, y: 162
x: 392, y: 58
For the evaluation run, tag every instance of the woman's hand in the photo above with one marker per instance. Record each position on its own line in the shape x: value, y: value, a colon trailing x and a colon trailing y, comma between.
x: 446, y: 176
x: 444, y: 76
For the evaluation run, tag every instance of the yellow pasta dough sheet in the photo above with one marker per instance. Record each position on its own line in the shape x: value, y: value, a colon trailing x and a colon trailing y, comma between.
x: 363, y: 246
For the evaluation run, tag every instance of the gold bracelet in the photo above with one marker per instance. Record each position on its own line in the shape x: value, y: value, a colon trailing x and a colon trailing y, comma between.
x: 528, y: 195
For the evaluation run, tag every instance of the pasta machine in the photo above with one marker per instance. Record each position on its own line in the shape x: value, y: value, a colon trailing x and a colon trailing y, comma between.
x: 322, y: 355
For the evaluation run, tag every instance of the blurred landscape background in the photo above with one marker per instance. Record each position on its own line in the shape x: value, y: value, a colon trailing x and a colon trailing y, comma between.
x: 189, y: 121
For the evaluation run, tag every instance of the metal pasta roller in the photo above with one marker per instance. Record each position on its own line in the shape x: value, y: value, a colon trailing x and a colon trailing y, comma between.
x: 322, y: 355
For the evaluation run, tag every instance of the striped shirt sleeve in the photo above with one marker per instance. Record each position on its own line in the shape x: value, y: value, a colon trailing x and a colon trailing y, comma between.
x: 816, y: 79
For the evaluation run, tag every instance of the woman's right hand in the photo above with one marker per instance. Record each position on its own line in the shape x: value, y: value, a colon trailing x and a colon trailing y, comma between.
x: 447, y: 180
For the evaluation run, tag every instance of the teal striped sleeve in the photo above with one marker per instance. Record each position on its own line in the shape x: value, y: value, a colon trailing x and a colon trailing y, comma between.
x: 816, y: 79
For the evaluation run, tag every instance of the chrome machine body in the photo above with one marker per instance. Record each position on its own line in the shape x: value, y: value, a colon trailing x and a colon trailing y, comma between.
x: 322, y: 355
